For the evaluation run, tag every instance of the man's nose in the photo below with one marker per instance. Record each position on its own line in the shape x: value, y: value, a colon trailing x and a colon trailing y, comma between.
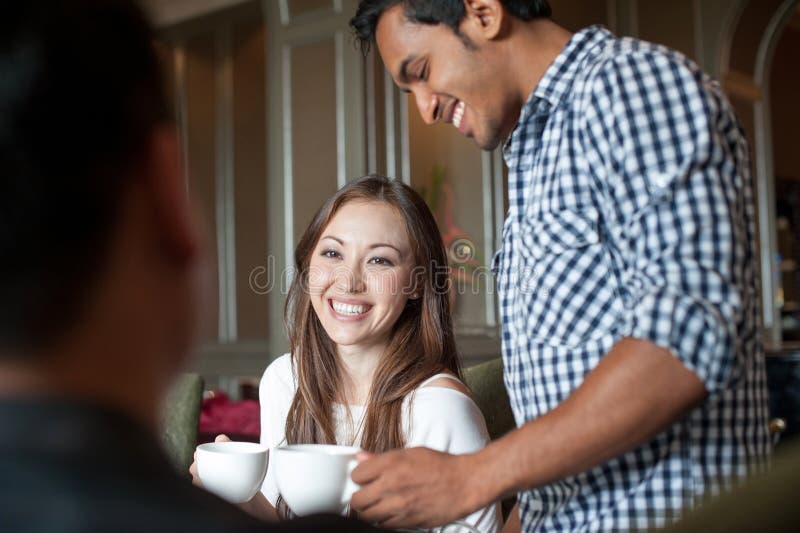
x: 428, y: 105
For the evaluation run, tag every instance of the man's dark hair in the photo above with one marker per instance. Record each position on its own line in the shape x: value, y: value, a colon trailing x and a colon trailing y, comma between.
x: 80, y: 94
x: 447, y: 12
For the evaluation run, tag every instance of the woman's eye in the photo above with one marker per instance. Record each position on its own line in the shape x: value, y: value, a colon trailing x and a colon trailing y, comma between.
x: 330, y: 253
x: 380, y: 261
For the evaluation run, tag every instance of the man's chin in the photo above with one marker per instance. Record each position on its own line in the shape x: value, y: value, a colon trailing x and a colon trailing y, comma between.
x: 493, y: 134
x: 487, y: 145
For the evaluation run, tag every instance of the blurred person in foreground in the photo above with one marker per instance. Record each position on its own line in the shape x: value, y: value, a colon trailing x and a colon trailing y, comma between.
x: 100, y: 260
x: 626, y: 275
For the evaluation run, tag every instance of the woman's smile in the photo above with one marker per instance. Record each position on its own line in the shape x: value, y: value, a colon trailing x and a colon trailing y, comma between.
x: 349, y: 311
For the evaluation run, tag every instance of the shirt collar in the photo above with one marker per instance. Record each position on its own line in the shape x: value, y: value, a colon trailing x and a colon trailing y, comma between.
x: 559, y: 76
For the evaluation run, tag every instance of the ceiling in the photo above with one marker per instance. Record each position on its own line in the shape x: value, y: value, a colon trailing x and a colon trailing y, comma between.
x: 167, y: 12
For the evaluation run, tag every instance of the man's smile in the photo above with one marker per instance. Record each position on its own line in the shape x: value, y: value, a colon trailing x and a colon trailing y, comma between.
x: 458, y: 114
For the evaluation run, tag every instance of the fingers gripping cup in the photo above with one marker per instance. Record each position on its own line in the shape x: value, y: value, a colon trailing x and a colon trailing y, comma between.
x: 315, y: 478
x: 233, y: 471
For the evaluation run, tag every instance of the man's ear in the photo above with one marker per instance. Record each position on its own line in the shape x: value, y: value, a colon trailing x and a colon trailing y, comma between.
x: 486, y: 17
x: 179, y: 228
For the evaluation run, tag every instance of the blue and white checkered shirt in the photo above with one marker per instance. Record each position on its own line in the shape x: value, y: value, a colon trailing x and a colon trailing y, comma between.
x: 631, y: 215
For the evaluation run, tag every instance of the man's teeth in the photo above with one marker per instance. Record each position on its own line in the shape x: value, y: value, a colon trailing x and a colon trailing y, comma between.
x: 347, y: 309
x: 458, y: 114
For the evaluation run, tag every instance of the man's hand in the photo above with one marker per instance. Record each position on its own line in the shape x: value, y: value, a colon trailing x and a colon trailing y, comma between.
x: 415, y: 487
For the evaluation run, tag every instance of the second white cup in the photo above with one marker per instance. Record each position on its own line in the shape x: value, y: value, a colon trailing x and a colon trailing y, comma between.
x: 315, y: 478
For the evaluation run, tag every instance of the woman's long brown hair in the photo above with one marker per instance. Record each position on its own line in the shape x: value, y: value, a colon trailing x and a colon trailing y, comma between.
x: 421, y: 342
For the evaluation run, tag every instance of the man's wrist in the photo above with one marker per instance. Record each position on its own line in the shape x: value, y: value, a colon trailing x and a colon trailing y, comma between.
x: 480, y: 480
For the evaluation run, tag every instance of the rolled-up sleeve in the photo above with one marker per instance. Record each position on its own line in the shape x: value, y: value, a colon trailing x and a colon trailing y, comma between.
x: 671, y: 184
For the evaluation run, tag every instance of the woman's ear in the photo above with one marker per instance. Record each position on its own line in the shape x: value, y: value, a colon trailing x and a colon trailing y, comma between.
x: 417, y: 283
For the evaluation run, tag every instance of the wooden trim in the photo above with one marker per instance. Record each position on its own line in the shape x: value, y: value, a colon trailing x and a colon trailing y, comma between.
x: 633, y: 18
x: 794, y: 22
x: 742, y: 86
x: 699, y: 40
x: 612, y: 16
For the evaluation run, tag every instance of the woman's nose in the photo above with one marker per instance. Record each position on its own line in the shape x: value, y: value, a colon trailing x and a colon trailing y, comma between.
x: 350, y: 279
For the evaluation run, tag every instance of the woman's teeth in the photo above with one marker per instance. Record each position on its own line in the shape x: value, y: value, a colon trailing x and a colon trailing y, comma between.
x: 458, y: 114
x: 347, y: 309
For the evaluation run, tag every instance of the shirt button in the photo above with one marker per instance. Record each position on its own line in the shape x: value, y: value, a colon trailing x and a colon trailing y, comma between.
x: 662, y: 179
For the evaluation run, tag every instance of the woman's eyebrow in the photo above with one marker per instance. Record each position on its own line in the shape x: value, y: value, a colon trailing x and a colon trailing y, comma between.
x: 386, y: 245
x: 337, y: 239
x: 370, y: 247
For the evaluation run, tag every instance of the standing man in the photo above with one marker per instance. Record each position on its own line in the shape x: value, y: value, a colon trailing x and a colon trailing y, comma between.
x: 626, y: 275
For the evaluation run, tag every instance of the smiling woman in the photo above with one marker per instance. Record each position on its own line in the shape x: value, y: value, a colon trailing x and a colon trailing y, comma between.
x: 373, y: 360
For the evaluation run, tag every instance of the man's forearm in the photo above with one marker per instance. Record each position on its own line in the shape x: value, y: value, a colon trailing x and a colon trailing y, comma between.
x: 637, y: 391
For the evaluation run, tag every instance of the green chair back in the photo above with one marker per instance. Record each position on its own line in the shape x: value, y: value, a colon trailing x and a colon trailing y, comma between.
x: 180, y: 419
x: 485, y: 380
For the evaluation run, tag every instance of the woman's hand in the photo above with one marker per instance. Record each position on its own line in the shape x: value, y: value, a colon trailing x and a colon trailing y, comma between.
x: 259, y: 506
x: 193, y: 469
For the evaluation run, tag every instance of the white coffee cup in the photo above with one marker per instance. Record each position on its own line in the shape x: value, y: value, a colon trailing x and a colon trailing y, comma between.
x: 233, y: 471
x: 315, y: 478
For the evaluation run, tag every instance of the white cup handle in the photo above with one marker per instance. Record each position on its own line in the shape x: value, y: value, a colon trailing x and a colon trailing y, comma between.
x: 350, y: 487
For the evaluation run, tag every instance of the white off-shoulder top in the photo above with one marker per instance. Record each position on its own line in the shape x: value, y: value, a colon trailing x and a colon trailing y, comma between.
x: 440, y: 418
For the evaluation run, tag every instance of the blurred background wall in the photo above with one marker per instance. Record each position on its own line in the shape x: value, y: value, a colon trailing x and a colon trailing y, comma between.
x: 277, y: 109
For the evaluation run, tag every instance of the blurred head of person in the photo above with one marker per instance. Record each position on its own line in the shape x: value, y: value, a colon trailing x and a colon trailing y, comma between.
x: 100, y: 254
